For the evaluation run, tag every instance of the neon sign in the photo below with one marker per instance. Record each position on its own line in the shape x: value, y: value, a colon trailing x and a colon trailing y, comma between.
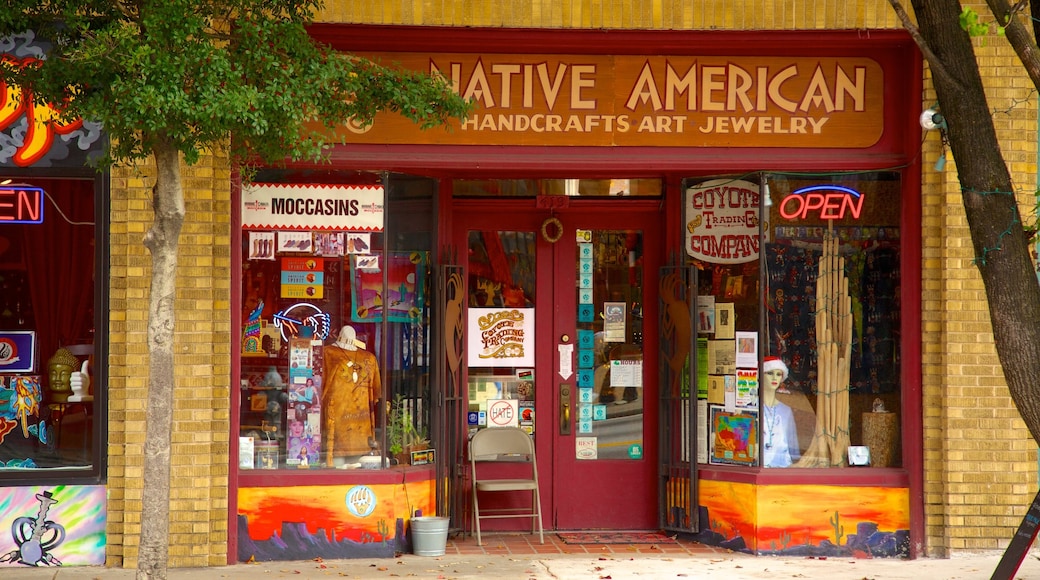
x: 831, y: 202
x: 301, y: 314
x: 21, y: 204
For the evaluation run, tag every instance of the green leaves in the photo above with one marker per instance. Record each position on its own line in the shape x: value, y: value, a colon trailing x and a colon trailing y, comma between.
x: 205, y: 73
x: 969, y: 20
x: 970, y: 23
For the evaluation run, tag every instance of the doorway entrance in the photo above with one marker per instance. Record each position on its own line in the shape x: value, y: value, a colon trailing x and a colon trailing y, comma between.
x: 562, y: 342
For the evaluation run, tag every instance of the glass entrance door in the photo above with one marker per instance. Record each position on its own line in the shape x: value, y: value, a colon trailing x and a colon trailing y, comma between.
x: 562, y: 343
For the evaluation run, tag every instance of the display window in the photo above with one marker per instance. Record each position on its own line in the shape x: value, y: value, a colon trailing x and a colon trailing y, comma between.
x: 51, y: 377
x: 335, y: 315
x: 798, y: 318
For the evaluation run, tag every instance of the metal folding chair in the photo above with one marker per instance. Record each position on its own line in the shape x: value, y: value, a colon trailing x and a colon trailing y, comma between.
x: 501, y: 445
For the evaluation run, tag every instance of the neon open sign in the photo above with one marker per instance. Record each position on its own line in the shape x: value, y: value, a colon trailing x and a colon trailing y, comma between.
x: 21, y: 204
x: 829, y: 202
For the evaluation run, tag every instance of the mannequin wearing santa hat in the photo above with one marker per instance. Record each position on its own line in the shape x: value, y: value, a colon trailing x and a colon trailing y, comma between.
x: 779, y: 433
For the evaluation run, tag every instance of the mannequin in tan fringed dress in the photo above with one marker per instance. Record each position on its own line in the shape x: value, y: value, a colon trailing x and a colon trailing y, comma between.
x: 351, y: 389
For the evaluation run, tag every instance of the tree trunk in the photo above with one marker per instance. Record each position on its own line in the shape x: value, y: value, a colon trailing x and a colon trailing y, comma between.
x: 1000, y: 245
x: 162, y: 241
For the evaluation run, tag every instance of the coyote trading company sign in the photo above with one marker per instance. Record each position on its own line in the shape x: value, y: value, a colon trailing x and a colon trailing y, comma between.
x: 722, y: 221
x: 500, y: 337
x: 287, y: 206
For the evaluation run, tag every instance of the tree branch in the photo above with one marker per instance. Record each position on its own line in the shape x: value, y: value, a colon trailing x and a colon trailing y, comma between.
x: 933, y: 61
x: 1018, y: 37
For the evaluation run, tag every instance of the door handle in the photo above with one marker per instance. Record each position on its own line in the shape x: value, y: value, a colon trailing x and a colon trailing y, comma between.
x: 565, y: 409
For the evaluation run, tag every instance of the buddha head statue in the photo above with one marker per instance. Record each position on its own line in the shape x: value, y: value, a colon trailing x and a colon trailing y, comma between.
x: 59, y: 370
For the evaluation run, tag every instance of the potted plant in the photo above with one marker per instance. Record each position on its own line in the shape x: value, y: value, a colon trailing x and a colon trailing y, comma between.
x: 402, y: 434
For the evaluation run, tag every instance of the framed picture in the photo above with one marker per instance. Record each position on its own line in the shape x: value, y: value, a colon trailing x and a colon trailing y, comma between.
x: 734, y: 436
x: 17, y: 351
x: 404, y: 300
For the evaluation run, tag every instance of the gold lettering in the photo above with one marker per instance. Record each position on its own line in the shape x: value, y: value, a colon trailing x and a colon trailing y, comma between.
x: 857, y: 90
x: 817, y: 124
x: 711, y: 83
x: 674, y: 85
x: 761, y: 98
x: 551, y: 88
x: 528, y: 86
x: 506, y: 71
x: 774, y: 89
x: 645, y: 89
x: 817, y: 93
x: 478, y: 86
x: 579, y: 83
x: 739, y: 85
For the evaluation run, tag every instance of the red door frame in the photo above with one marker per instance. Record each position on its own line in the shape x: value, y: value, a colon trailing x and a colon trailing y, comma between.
x: 555, y: 451
x: 629, y: 486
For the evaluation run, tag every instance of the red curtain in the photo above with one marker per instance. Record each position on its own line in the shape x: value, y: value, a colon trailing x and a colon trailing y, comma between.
x: 59, y: 260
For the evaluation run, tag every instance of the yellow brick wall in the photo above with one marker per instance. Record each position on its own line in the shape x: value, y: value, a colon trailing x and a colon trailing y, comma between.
x: 621, y: 14
x: 199, y: 471
x: 980, y: 461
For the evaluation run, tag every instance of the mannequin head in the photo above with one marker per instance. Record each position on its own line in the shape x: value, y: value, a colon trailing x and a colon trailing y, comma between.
x: 775, y: 373
x: 59, y: 369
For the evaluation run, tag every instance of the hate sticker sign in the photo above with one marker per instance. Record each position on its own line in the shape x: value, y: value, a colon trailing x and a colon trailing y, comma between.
x: 503, y: 413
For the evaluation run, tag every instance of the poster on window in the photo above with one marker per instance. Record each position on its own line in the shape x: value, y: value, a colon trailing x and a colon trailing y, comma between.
x: 614, y: 322
x: 404, y: 299
x: 734, y: 436
x: 500, y: 337
x: 747, y: 350
x: 17, y: 351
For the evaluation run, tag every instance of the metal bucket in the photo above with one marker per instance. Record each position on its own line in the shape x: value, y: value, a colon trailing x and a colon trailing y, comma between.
x: 429, y: 535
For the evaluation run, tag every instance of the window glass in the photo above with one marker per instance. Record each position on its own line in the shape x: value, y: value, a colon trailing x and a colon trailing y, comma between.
x: 832, y: 316
x: 335, y: 357
x: 825, y: 266
x: 48, y: 369
x: 609, y: 266
x: 501, y: 269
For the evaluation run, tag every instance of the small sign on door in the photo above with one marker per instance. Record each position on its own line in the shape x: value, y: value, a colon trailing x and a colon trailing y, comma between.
x: 503, y: 413
x: 585, y: 448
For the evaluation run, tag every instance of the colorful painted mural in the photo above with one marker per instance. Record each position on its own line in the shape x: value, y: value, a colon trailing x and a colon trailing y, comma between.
x: 817, y: 520
x: 337, y: 521
x: 36, y: 136
x: 63, y: 525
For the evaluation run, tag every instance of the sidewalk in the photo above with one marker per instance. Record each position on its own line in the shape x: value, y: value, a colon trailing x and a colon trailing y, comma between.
x: 614, y: 566
x: 571, y: 567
